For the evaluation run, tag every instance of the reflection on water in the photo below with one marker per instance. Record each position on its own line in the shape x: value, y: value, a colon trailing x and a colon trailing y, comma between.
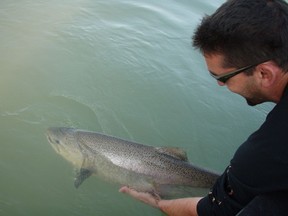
x: 125, y: 68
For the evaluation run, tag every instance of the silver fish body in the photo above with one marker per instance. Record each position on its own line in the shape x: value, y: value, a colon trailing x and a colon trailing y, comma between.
x: 142, y: 167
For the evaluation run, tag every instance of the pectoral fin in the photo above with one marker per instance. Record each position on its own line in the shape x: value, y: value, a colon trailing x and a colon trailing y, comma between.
x: 81, y: 175
x: 175, y: 152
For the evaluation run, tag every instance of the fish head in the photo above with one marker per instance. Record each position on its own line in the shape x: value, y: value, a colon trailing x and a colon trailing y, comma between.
x: 64, y: 142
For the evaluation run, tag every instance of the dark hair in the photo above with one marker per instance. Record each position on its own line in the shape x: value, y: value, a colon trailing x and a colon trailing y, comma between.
x: 246, y: 32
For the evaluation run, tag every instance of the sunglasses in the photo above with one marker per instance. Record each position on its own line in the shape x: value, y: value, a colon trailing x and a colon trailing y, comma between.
x: 225, y: 77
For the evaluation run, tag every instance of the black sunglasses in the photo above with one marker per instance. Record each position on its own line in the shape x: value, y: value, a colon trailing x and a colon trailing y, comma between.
x: 225, y: 77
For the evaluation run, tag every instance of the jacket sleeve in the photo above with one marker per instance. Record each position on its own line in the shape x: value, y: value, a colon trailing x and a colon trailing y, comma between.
x: 220, y: 200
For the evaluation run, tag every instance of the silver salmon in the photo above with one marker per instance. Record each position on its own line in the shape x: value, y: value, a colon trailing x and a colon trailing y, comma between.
x: 141, y: 167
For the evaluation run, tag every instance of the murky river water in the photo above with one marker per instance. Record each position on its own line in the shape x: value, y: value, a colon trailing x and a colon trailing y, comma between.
x: 120, y: 67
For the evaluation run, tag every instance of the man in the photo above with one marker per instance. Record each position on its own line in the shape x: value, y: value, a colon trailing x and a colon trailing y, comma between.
x: 245, y: 46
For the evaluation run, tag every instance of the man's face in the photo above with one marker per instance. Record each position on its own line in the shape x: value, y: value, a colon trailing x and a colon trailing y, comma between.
x: 242, y: 84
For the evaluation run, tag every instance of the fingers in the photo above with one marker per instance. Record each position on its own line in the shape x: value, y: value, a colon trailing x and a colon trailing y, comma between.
x: 147, y: 198
x: 124, y: 189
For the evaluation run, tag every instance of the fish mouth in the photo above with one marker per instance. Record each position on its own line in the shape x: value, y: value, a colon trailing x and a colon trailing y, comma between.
x: 54, y: 143
x: 49, y: 138
x: 51, y: 135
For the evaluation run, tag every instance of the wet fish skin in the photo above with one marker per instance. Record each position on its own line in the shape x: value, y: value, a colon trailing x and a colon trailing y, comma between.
x: 142, y: 167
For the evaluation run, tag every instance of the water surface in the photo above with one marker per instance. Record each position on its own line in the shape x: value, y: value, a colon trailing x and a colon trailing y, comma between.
x: 124, y: 68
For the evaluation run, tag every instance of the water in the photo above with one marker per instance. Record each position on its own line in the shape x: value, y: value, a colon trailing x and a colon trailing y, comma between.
x: 120, y: 67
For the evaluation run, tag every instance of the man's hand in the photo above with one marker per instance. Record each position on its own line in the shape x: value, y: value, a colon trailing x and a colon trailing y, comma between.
x: 145, y: 197
x: 175, y: 207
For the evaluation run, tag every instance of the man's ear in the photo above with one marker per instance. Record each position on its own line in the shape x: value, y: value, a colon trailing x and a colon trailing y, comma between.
x: 267, y: 73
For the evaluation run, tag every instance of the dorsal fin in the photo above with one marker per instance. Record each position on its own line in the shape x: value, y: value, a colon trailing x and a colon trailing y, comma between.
x: 175, y: 152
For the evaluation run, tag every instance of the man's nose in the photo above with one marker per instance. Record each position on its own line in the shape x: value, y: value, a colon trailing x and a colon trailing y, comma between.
x: 220, y: 83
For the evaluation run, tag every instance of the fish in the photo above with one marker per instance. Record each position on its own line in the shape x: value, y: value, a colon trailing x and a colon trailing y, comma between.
x: 142, y: 167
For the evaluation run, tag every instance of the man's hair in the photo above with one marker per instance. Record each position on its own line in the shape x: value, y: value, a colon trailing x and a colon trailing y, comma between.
x: 246, y: 32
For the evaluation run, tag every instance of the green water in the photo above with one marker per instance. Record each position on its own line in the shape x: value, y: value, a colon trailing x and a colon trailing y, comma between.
x: 124, y: 68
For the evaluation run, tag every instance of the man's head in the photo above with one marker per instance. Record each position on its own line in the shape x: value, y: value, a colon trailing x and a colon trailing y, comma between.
x: 252, y: 33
